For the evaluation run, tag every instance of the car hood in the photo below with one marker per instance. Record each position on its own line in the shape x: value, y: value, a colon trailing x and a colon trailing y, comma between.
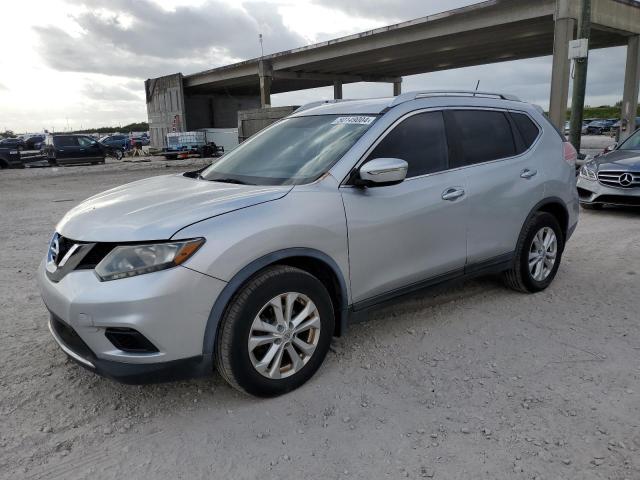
x: 627, y: 160
x: 156, y: 208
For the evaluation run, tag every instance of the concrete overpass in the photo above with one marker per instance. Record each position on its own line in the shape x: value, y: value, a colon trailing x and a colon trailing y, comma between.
x: 488, y: 32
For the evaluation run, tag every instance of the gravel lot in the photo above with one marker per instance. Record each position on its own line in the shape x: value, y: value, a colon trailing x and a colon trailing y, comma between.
x: 475, y: 382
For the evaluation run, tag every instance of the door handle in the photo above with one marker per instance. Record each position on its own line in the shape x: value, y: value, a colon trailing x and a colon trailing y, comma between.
x: 526, y: 173
x: 452, y: 193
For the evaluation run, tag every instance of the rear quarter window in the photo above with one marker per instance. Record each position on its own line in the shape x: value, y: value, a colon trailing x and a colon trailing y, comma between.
x: 528, y: 130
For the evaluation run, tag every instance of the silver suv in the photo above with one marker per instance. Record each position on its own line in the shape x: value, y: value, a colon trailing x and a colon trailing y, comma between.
x: 252, y: 264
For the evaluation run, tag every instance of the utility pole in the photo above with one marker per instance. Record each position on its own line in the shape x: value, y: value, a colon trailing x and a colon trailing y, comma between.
x: 580, y: 78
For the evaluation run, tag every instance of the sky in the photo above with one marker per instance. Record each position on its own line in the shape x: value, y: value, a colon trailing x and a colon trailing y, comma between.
x: 72, y: 64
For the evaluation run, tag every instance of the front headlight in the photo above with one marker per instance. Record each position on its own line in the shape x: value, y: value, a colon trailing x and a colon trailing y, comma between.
x: 131, y: 260
x: 588, y: 172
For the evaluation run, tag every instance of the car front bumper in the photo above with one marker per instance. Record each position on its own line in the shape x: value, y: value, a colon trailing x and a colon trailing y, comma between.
x: 593, y: 192
x: 169, y: 308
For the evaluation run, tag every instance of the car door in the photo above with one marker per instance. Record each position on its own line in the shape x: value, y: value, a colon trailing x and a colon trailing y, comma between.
x: 66, y: 148
x: 402, y: 235
x: 89, y: 150
x: 504, y: 179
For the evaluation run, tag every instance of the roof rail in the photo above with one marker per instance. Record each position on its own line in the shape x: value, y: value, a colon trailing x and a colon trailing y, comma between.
x: 317, y: 103
x: 405, y: 97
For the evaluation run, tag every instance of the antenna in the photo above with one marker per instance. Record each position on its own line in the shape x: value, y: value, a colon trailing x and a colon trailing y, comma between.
x: 477, y: 85
x: 261, y: 46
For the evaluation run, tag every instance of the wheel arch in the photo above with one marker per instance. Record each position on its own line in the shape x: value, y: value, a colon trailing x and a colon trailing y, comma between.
x: 310, y: 260
x: 556, y: 207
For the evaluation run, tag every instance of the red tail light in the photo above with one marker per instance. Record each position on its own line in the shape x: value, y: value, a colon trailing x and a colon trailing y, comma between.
x: 570, y: 154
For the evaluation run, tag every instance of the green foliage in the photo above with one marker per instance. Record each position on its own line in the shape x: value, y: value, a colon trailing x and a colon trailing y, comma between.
x: 604, y: 111
x: 7, y: 134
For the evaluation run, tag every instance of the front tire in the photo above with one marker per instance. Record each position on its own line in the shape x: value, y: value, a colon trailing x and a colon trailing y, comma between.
x: 538, y: 255
x: 275, y: 332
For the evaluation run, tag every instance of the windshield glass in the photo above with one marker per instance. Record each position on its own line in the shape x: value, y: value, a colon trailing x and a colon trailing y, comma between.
x: 631, y: 143
x: 291, y: 152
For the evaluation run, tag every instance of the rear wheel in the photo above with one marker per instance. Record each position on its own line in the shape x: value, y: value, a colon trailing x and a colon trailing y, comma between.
x: 275, y: 332
x: 538, y: 255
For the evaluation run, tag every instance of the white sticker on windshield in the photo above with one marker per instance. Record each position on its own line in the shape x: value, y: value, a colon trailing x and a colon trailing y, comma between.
x: 354, y: 120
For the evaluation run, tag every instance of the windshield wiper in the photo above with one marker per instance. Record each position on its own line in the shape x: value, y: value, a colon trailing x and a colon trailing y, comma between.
x: 230, y: 180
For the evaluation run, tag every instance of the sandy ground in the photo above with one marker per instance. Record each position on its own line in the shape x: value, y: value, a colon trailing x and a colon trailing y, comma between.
x: 476, y: 382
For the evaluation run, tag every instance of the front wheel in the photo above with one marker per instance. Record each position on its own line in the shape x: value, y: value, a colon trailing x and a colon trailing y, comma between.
x: 538, y: 255
x: 118, y: 154
x: 275, y: 332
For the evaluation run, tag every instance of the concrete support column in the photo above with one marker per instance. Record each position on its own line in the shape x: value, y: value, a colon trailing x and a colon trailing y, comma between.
x: 631, y: 87
x: 397, y: 88
x: 337, y: 89
x: 561, y: 71
x: 266, y: 75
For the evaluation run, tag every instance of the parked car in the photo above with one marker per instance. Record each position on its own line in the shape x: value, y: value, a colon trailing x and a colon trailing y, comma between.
x: 10, y: 157
x: 598, y: 127
x: 64, y: 149
x: 616, y: 126
x: 612, y: 178
x: 583, y: 130
x: 255, y: 262
x: 33, y: 142
x: 142, y: 140
x: 15, y: 143
x: 120, y: 141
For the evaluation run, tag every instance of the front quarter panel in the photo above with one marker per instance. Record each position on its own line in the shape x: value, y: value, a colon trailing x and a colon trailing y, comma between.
x: 310, y: 218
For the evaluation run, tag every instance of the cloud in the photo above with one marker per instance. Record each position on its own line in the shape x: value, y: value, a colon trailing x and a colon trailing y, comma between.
x: 141, y: 39
x: 3, y: 87
x: 392, y: 10
x: 113, y: 93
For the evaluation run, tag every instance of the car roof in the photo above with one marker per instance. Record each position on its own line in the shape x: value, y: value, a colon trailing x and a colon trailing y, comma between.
x: 375, y: 106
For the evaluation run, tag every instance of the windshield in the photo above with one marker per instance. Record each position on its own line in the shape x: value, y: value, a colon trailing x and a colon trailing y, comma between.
x: 293, y: 151
x: 631, y: 143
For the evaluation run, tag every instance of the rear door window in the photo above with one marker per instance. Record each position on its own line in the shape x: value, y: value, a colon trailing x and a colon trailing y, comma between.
x: 481, y: 136
x: 420, y: 140
x: 65, y: 141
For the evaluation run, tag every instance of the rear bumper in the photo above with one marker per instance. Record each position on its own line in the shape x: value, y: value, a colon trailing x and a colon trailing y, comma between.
x: 593, y: 192
x: 129, y: 373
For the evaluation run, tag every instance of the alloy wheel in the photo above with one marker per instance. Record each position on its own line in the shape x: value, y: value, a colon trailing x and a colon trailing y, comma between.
x: 542, y: 253
x: 284, y: 335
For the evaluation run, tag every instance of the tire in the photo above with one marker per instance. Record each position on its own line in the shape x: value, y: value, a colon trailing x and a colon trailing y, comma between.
x: 591, y: 206
x: 233, y: 357
x: 118, y: 154
x: 519, y: 277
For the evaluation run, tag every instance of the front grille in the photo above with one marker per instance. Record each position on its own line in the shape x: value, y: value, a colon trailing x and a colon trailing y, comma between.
x: 70, y: 338
x: 92, y: 258
x: 64, y: 245
x: 619, y: 179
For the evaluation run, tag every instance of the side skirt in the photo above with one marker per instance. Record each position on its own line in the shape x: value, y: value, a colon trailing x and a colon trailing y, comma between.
x: 359, y: 311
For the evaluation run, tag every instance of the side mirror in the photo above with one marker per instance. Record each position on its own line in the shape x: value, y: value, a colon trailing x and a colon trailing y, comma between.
x: 610, y: 148
x: 380, y: 172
